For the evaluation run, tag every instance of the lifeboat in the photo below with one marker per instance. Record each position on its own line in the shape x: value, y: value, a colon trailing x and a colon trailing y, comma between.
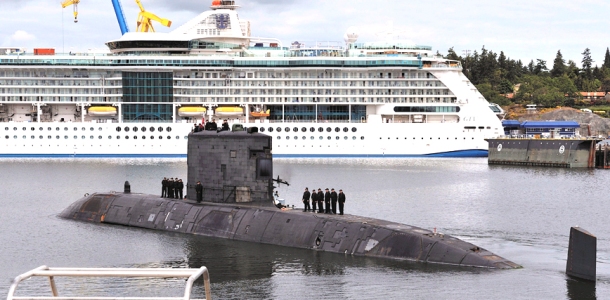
x: 102, y: 111
x: 229, y: 111
x: 260, y: 114
x: 191, y: 111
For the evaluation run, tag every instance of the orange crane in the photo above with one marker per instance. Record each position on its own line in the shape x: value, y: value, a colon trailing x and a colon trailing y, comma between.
x: 67, y: 3
x: 145, y: 20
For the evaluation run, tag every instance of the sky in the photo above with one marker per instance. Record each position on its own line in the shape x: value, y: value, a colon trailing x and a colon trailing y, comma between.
x: 526, y: 30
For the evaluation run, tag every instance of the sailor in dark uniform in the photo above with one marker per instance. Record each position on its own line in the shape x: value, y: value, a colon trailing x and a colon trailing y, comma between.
x: 333, y: 200
x: 180, y: 188
x: 199, y: 190
x: 170, y: 188
x: 320, y: 201
x: 327, y: 201
x: 306, y: 196
x: 314, y: 200
x: 164, y: 187
x: 341, y: 201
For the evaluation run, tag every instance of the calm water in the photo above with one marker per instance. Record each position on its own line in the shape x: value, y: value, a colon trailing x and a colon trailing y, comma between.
x: 523, y: 214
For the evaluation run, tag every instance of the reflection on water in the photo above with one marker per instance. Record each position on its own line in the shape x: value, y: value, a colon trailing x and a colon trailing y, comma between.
x: 580, y: 289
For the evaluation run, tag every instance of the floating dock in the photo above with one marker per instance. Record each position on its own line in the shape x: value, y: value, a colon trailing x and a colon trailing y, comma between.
x: 545, y: 152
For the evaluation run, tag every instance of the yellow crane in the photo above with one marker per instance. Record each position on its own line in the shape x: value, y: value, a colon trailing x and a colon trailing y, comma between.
x: 145, y: 20
x: 67, y: 3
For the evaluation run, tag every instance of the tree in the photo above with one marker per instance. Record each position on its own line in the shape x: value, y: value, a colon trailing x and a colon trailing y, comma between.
x: 587, y: 62
x: 607, y: 59
x: 530, y: 67
x: 540, y: 67
x: 452, y: 55
x: 559, y: 65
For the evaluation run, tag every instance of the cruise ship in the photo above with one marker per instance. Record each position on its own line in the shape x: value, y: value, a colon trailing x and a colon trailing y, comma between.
x: 143, y: 98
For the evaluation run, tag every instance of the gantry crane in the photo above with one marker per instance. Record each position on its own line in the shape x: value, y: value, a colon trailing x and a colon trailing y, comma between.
x: 145, y: 20
x: 67, y: 3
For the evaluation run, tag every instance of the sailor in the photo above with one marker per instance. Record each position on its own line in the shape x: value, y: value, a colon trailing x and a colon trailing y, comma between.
x: 199, y: 190
x: 320, y: 201
x: 180, y: 188
x: 164, y: 187
x: 211, y: 125
x: 314, y: 200
x: 341, y: 201
x: 170, y: 188
x: 306, y: 196
x: 333, y: 199
x: 327, y: 201
x: 196, y: 128
x: 225, y: 126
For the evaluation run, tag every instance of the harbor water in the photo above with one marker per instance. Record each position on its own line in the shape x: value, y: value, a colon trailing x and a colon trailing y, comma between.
x: 521, y: 213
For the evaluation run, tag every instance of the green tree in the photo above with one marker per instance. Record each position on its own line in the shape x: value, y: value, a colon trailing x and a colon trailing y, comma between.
x: 587, y: 63
x: 540, y: 67
x: 452, y: 55
x: 607, y: 59
x: 559, y: 65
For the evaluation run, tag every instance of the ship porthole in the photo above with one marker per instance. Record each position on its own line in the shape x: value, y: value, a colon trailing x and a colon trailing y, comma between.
x: 318, y: 242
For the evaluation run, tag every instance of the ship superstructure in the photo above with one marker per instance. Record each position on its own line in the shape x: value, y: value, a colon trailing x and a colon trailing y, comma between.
x: 389, y: 98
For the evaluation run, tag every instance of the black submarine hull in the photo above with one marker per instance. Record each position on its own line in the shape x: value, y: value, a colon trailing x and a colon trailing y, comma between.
x: 346, y: 234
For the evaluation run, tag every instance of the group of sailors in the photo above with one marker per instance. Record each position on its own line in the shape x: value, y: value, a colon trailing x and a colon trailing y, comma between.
x: 326, y: 202
x: 172, y: 188
x: 211, y: 126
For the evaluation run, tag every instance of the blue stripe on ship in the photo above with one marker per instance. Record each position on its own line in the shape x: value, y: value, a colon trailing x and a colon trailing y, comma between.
x: 463, y: 153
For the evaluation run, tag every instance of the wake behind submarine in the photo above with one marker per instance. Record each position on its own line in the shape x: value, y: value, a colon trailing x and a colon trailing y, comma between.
x: 236, y: 169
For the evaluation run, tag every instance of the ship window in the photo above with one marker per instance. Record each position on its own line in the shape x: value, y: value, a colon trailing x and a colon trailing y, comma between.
x: 126, y: 129
x: 345, y: 138
x: 48, y: 128
x: 135, y: 137
x: 169, y: 137
x: 270, y: 129
x: 312, y: 129
x: 56, y: 128
x: 304, y: 137
x: 35, y: 128
x: 38, y: 128
x: 287, y: 137
x: 126, y: 137
x: 169, y: 129
x: 143, y: 129
x: 65, y: 128
x: 24, y: 129
x: 118, y: 129
x: 279, y: 129
x: 160, y: 137
x: 296, y: 137
x: 75, y: 137
x: 118, y: 137
x: 109, y: 137
x: 262, y: 129
x: 321, y: 137
x: 15, y: 137
x: 177, y: 137
x: 353, y: 138
x: 143, y: 137
x: 83, y: 137
x: 362, y: 138
x: 312, y: 138
x: 279, y: 137
x: 320, y: 129
x: 329, y: 138
x: 152, y: 129
x: 481, y: 127
x: 345, y: 129
x: 15, y: 128
x: 304, y: 129
x: 32, y: 137
x: 91, y: 137
x: 135, y: 129
x: 75, y: 128
x: 152, y: 137
x: 337, y: 138
x: 83, y: 129
x: 56, y: 137
x: 160, y: 129
x: 337, y: 129
x: 488, y: 127
x: 295, y: 129
x: 6, y: 128
x: 328, y: 129
x: 65, y: 137
x: 91, y: 129
x: 287, y: 129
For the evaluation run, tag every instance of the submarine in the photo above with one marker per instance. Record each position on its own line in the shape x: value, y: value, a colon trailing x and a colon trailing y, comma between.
x: 235, y: 169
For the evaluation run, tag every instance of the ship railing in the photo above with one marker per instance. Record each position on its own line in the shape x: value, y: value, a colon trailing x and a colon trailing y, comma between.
x: 43, y: 271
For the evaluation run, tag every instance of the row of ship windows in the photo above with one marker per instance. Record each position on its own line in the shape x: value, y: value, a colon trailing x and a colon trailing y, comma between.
x: 338, y: 138
x: 118, y: 137
x: 118, y: 129
x: 304, y: 129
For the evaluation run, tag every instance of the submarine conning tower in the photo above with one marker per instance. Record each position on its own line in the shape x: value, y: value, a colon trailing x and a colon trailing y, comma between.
x: 233, y: 167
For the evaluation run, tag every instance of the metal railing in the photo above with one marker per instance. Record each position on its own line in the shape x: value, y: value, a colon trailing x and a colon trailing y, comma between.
x: 51, y: 273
